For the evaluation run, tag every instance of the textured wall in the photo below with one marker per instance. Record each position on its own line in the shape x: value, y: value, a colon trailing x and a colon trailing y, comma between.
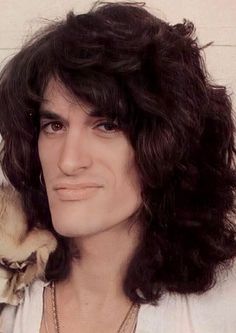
x: 215, y: 20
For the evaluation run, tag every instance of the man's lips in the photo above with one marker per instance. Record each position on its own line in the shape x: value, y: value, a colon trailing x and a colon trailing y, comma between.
x: 75, y: 186
x: 75, y: 192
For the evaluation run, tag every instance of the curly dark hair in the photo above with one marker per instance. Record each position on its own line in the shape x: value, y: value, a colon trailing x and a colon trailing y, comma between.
x: 152, y: 77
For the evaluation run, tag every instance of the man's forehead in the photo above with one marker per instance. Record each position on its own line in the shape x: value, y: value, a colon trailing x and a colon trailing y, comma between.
x: 56, y: 91
x: 56, y: 95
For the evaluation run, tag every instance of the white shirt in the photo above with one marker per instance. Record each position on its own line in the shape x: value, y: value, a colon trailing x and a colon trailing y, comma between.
x: 211, y: 312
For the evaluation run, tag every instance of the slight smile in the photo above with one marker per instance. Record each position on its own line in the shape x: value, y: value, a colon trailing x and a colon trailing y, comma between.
x: 70, y: 194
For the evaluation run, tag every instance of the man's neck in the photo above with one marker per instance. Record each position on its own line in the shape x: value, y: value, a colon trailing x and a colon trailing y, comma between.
x: 97, y: 277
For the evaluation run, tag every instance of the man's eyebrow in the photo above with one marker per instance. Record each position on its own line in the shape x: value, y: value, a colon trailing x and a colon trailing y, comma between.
x: 43, y: 113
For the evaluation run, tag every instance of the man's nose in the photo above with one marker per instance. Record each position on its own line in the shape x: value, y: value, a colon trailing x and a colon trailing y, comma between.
x: 75, y: 153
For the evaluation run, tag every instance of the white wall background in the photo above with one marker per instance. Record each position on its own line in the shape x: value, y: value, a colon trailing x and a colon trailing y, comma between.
x: 215, y: 20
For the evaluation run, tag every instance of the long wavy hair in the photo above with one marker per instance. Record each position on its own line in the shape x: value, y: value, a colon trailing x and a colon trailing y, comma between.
x: 151, y: 76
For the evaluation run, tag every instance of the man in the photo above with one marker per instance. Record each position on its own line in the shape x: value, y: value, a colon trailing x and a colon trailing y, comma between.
x: 124, y: 151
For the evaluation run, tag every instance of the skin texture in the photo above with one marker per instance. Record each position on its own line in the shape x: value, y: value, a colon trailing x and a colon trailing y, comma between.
x: 79, y: 149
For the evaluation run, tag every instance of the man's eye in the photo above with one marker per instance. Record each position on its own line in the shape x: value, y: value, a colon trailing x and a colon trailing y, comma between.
x: 51, y: 127
x: 109, y: 126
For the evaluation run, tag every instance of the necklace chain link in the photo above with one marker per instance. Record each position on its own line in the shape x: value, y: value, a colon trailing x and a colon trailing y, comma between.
x: 132, y: 313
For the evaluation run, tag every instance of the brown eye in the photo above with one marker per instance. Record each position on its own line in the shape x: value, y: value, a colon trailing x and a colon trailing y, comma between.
x: 56, y: 126
x: 108, y: 126
x: 52, y: 127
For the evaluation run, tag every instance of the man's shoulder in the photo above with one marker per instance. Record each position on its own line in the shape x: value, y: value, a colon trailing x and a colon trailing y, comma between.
x: 35, y: 288
x: 210, y: 311
x: 32, y: 300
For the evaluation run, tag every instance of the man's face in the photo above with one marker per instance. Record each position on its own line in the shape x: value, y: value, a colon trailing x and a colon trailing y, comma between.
x: 88, y: 167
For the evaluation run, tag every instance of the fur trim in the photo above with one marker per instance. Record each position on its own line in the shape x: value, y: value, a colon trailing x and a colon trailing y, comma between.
x: 23, y: 254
